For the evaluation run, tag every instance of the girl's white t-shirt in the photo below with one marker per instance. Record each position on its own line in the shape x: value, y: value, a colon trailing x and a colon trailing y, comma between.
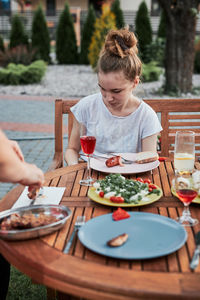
x: 113, y: 133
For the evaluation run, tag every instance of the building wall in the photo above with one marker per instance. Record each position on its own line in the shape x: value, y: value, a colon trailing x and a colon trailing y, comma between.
x: 133, y: 4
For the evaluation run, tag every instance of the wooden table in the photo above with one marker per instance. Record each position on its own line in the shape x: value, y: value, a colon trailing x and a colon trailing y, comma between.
x: 92, y: 276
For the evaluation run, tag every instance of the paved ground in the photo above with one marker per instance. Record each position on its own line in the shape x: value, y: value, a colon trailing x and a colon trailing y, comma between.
x: 27, y: 112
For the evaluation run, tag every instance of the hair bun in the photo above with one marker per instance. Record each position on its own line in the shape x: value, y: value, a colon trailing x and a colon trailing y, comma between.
x: 121, y: 42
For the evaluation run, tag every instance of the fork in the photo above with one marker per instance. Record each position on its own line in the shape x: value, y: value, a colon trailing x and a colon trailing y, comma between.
x: 80, y: 221
x: 124, y: 160
x: 41, y: 192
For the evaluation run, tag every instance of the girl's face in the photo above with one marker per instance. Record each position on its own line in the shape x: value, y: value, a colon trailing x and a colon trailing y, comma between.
x: 115, y: 88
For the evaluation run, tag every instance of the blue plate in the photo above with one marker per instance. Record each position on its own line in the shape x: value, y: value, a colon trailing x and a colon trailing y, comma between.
x: 149, y: 235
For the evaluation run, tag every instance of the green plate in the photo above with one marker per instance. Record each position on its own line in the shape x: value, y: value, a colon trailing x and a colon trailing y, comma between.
x: 196, y: 200
x: 152, y: 198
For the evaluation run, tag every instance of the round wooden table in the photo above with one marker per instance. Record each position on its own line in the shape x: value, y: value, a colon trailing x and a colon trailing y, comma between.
x: 88, y: 275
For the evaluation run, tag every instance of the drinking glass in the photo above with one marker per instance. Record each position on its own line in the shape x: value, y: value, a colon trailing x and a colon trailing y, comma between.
x: 184, y: 153
x: 88, y: 142
x: 186, y: 191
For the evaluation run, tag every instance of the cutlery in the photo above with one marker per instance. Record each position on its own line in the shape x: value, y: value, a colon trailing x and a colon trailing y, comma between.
x: 80, y: 221
x: 40, y: 193
x: 195, y: 259
x: 124, y: 160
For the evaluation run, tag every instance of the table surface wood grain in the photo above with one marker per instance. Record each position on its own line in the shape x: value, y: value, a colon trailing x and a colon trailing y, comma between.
x: 86, y: 274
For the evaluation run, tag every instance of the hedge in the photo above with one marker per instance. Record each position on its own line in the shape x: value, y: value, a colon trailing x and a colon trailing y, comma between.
x: 20, y: 74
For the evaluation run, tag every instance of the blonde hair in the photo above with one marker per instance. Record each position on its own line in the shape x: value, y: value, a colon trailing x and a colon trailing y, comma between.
x: 120, y: 53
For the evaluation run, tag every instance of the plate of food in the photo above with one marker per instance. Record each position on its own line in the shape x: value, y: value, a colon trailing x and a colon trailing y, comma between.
x: 32, y: 221
x: 141, y: 162
x: 116, y: 190
x: 141, y: 236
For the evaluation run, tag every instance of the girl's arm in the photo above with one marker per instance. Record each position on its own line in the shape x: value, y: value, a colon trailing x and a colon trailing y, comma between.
x: 72, y: 151
x: 150, y: 143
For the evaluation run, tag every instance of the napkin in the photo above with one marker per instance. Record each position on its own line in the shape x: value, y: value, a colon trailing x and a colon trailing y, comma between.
x: 51, y: 195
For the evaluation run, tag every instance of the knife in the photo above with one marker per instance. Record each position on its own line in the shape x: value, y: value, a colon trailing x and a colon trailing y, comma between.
x: 195, y: 259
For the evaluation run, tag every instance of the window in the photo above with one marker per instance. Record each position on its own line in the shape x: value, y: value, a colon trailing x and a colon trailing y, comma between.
x: 51, y: 8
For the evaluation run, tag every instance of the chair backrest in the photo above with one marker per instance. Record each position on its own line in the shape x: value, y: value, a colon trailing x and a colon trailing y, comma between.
x: 174, y: 114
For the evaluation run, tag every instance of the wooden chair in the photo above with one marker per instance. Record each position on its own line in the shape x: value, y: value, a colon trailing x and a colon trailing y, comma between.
x: 174, y: 114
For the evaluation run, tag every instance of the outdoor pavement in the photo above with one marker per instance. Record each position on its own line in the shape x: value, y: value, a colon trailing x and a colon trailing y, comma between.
x: 30, y: 121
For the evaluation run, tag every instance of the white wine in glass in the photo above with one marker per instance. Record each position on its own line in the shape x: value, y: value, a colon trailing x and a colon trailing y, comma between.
x: 184, y: 154
x: 88, y: 142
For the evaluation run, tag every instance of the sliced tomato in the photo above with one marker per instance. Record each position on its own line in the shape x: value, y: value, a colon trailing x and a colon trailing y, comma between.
x: 152, y: 186
x: 120, y: 214
x: 162, y: 158
x: 150, y: 189
x: 140, y: 179
x: 101, y: 194
x: 147, y: 181
x: 116, y: 199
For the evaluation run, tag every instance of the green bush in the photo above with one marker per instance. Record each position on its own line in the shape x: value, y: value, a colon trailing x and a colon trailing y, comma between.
x: 40, y: 36
x: 17, y: 55
x: 19, y: 74
x: 197, y: 62
x: 86, y: 36
x: 151, y: 72
x: 66, y: 47
x: 162, y: 25
x: 119, y: 17
x: 2, y: 48
x: 156, y: 51
x: 143, y: 30
x: 18, y: 35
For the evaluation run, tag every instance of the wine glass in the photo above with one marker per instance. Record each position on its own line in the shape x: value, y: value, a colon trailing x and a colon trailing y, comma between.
x: 184, y: 154
x: 186, y: 191
x: 88, y: 142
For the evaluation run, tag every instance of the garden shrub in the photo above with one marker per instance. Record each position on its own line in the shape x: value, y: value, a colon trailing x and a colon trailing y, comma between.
x: 18, y: 35
x: 162, y: 26
x: 197, y: 62
x: 102, y: 25
x: 2, y: 48
x: 40, y: 36
x: 17, y: 55
x: 151, y: 72
x: 156, y: 51
x: 19, y: 74
x: 143, y: 30
x: 119, y: 17
x: 66, y: 47
x: 86, y: 36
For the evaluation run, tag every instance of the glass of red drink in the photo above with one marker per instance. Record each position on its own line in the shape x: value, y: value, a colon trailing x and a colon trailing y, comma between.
x: 88, y: 142
x: 186, y: 191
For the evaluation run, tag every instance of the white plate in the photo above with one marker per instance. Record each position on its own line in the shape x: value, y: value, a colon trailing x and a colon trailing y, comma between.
x: 99, y: 165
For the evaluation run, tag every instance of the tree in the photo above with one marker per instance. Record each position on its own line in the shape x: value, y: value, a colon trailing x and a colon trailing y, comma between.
x: 115, y: 8
x: 162, y: 26
x: 66, y: 47
x: 40, y: 35
x: 87, y: 33
x: 181, y: 17
x: 18, y: 35
x: 2, y: 48
x: 143, y: 29
x: 102, y: 25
